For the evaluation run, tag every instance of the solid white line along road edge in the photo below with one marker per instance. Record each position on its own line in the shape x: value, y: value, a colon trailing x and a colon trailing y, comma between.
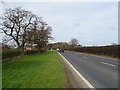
x: 89, y: 85
x: 108, y: 64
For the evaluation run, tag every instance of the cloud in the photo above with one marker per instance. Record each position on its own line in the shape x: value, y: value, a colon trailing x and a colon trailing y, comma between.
x: 76, y: 24
x: 88, y: 22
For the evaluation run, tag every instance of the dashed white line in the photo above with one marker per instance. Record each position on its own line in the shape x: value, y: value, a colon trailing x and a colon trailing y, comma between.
x: 85, y: 57
x: 93, y: 55
x: 108, y: 64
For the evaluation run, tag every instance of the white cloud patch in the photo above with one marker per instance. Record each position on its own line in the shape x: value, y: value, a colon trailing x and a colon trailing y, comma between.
x: 91, y: 23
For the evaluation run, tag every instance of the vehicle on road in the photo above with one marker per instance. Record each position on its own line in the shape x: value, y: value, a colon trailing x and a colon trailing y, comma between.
x: 57, y: 49
x: 61, y: 50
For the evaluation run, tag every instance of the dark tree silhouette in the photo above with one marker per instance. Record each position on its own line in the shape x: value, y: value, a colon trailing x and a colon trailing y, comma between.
x: 24, y: 27
x: 40, y: 33
x: 15, y: 23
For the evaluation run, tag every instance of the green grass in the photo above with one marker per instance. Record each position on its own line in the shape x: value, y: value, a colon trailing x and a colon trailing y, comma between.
x: 34, y: 71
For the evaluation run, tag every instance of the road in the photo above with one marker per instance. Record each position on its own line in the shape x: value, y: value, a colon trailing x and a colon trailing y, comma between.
x: 100, y: 72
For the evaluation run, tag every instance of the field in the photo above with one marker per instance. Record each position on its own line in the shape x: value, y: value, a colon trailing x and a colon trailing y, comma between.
x: 34, y: 71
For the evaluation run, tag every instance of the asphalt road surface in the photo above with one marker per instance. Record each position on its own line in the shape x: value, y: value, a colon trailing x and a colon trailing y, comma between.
x: 100, y: 72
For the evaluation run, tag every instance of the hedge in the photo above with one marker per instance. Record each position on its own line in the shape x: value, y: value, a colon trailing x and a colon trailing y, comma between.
x: 10, y: 53
x: 101, y: 50
x: 30, y: 52
x: 6, y: 54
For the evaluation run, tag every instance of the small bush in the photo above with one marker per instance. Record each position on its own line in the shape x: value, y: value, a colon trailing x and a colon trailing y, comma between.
x: 6, y: 54
x: 30, y: 52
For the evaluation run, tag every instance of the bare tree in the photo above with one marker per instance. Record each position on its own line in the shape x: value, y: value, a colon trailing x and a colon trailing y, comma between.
x: 40, y: 33
x: 73, y: 42
x: 23, y: 27
x: 15, y: 23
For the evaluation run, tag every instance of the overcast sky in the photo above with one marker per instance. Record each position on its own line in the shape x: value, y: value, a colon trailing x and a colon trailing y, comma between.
x: 92, y: 23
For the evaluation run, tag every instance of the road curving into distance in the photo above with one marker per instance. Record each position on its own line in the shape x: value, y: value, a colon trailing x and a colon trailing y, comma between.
x: 100, y: 72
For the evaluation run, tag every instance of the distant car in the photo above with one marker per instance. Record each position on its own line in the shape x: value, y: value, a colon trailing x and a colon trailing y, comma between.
x: 57, y: 49
x: 61, y: 50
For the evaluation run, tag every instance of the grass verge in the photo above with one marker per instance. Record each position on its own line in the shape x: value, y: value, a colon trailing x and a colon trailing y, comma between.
x: 34, y: 71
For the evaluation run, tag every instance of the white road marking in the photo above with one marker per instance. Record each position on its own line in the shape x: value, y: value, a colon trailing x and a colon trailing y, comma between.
x: 108, y: 64
x: 85, y: 57
x: 93, y: 55
x: 80, y: 75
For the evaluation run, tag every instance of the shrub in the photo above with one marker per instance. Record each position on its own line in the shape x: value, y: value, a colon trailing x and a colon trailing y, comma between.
x: 101, y: 50
x: 30, y: 52
x: 9, y: 53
